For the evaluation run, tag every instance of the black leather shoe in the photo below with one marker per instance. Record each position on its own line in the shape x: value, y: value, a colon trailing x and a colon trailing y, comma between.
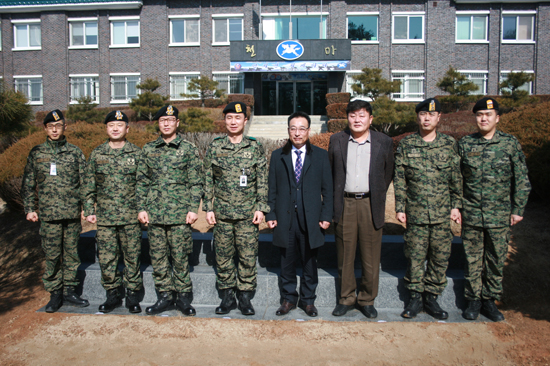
x: 132, y: 301
x: 414, y: 306
x: 114, y: 300
x: 71, y: 297
x: 432, y: 307
x: 56, y: 300
x: 228, y: 301
x: 369, y: 311
x: 311, y: 310
x: 490, y: 310
x: 245, y: 306
x: 342, y: 309
x: 285, y: 308
x: 164, y: 302
x: 472, y: 311
x: 183, y: 303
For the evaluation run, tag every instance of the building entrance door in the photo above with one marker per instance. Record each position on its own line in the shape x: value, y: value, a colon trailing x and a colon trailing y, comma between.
x: 293, y: 96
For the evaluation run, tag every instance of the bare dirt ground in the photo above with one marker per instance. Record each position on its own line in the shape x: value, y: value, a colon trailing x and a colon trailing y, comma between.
x: 31, y: 338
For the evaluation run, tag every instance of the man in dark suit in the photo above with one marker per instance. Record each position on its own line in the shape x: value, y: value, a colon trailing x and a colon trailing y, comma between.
x: 362, y: 168
x: 300, y: 199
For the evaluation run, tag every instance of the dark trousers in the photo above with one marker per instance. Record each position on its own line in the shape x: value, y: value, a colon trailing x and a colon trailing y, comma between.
x: 298, y: 246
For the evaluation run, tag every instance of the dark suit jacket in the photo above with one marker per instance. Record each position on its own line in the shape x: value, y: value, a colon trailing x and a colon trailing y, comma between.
x: 316, y: 193
x: 380, y: 176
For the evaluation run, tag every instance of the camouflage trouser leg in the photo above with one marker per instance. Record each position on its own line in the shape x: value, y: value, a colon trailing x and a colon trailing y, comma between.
x: 173, y: 241
x: 240, y: 237
x: 107, y: 238
x: 431, y: 243
x: 60, y: 245
x: 485, y: 250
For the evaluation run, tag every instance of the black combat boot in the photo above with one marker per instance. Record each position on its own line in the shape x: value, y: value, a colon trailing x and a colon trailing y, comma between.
x: 70, y: 297
x: 245, y: 306
x: 414, y: 306
x: 183, y: 303
x: 489, y: 309
x: 114, y: 300
x: 132, y: 301
x: 165, y: 300
x: 228, y: 301
x: 472, y: 311
x: 432, y: 307
x: 56, y: 299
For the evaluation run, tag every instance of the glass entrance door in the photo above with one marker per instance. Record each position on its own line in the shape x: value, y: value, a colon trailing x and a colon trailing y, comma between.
x: 294, y: 96
x: 281, y: 95
x: 286, y: 97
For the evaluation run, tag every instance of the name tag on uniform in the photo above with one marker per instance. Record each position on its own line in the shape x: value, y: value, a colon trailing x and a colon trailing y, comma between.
x: 414, y: 155
x: 53, y: 169
x: 474, y: 154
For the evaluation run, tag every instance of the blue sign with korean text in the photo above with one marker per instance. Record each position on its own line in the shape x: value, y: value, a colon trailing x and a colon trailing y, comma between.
x: 290, y: 50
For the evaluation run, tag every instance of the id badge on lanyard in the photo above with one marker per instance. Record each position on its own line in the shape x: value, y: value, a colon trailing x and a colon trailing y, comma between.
x: 53, y: 169
x: 243, y: 180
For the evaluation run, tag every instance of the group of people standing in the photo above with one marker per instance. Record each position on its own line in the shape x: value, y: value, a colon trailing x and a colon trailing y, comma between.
x: 480, y: 182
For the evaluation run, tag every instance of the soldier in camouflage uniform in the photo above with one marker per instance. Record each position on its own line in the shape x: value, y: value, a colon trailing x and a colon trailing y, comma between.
x: 235, y: 201
x: 111, y: 184
x: 54, y: 174
x: 496, y: 188
x: 428, y: 188
x: 169, y: 190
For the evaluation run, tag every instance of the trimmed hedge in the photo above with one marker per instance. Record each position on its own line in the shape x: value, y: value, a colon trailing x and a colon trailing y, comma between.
x: 333, y: 98
x: 321, y: 140
x: 337, y: 125
x: 337, y: 110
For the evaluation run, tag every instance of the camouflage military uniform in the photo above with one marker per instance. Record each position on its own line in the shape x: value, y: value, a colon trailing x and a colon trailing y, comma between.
x: 234, y: 206
x: 427, y: 185
x: 169, y: 185
x: 496, y: 186
x: 59, y: 201
x: 111, y: 183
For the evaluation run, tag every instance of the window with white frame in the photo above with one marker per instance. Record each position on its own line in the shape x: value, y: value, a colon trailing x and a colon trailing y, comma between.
x: 479, y: 78
x: 518, y: 27
x: 31, y: 87
x: 179, y: 84
x: 123, y: 87
x: 528, y: 87
x: 26, y: 34
x: 84, y: 86
x: 232, y: 83
x: 350, y: 81
x: 184, y: 30
x: 408, y: 27
x: 362, y: 27
x: 83, y: 32
x: 471, y: 27
x: 304, y: 26
x: 227, y: 28
x: 124, y: 31
x: 412, y: 85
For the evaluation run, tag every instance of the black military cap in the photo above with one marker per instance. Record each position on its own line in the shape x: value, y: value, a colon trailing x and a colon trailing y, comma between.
x: 428, y: 105
x: 235, y: 107
x: 167, y: 110
x: 486, y: 104
x: 116, y: 116
x: 53, y: 116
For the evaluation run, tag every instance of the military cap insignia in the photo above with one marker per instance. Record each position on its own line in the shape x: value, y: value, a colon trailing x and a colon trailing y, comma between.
x: 118, y: 115
x: 489, y: 104
x: 431, y: 108
x: 238, y: 108
x: 170, y: 111
x: 56, y: 116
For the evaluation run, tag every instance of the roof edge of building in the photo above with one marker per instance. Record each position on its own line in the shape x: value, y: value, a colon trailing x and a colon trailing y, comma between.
x: 72, y: 6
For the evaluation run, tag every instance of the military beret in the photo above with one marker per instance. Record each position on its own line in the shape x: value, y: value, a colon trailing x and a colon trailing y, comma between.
x: 116, y: 116
x: 167, y: 110
x: 428, y: 105
x: 53, y: 116
x: 235, y: 107
x: 486, y: 104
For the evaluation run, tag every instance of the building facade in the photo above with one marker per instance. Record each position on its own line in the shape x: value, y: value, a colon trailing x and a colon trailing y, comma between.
x: 56, y: 51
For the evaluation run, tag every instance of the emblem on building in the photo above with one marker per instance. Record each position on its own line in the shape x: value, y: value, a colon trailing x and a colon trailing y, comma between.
x: 290, y: 50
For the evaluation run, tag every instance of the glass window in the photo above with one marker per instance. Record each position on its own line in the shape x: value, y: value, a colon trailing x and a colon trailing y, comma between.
x: 412, y: 85
x: 27, y: 35
x: 228, y: 29
x: 528, y: 87
x: 517, y: 27
x: 86, y: 86
x: 125, y: 33
x: 179, y: 83
x: 83, y: 33
x: 31, y: 87
x: 363, y: 27
x: 123, y: 88
x: 478, y: 78
x: 303, y: 27
x: 185, y: 31
x: 471, y: 28
x: 231, y: 83
x: 408, y: 28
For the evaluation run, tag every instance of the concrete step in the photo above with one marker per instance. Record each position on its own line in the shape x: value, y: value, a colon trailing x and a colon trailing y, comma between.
x: 275, y: 127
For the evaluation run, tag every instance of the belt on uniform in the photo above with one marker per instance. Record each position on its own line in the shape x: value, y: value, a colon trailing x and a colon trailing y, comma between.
x: 357, y: 196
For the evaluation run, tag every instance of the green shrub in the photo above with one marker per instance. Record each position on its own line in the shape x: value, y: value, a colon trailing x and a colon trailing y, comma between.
x: 147, y: 103
x: 196, y: 120
x: 333, y: 98
x: 337, y: 111
x: 15, y: 112
x: 393, y: 118
x: 337, y: 125
x: 86, y: 111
